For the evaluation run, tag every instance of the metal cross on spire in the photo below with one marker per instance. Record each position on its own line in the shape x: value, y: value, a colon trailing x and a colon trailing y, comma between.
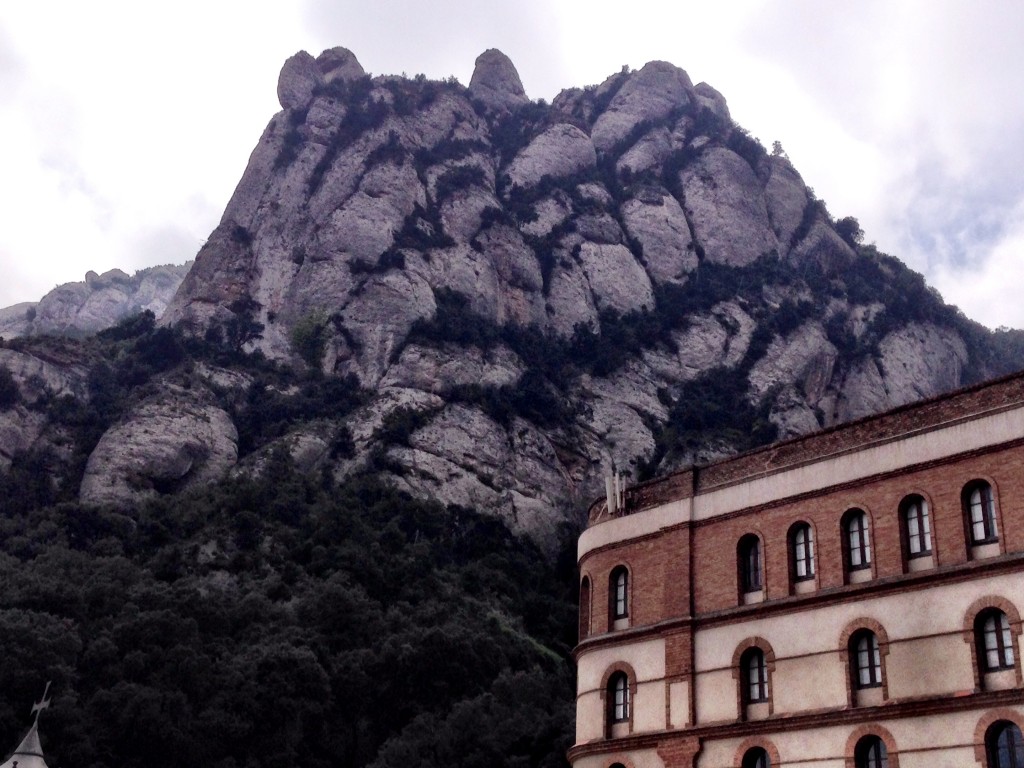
x: 42, y: 704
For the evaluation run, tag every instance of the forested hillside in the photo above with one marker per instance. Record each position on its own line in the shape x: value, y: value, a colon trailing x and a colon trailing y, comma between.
x: 278, y: 621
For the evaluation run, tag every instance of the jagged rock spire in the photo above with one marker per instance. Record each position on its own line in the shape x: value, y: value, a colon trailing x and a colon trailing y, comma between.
x: 301, y: 74
x: 496, y: 82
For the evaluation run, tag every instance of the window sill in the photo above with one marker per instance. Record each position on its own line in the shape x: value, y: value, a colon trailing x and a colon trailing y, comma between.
x: 750, y: 598
x: 858, y: 576
x: 920, y: 562
x: 804, y: 586
x: 868, y: 697
x: 983, y: 550
x: 999, y: 679
x: 758, y: 710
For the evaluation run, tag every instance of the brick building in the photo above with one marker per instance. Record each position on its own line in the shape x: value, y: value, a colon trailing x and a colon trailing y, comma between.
x: 850, y: 598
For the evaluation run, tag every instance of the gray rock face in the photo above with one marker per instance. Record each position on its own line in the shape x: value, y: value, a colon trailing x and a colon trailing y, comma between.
x: 436, y: 370
x: 496, y: 82
x: 708, y: 97
x: 616, y: 279
x: 649, y: 153
x: 657, y: 221
x: 170, y: 443
x: 299, y: 77
x: 20, y: 431
x: 17, y: 319
x: 824, y: 246
x: 97, y: 303
x: 786, y: 198
x: 650, y: 94
x: 562, y: 150
x: 339, y: 64
x: 38, y: 378
x: 727, y: 208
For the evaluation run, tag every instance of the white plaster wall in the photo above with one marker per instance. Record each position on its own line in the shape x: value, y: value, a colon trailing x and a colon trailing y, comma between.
x: 716, y: 697
x: 649, y: 707
x: 679, y: 704
x: 632, y: 526
x: 589, y: 717
x: 927, y: 665
x: 931, y: 611
x: 647, y: 658
x: 927, y: 653
x: 808, y: 683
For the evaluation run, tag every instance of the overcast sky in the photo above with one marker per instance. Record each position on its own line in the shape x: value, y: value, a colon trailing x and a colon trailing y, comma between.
x: 126, y: 125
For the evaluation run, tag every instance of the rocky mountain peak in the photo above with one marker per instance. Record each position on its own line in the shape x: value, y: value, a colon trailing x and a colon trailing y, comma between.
x: 496, y: 82
x: 96, y: 303
x: 302, y: 75
x: 513, y: 298
x: 339, y: 64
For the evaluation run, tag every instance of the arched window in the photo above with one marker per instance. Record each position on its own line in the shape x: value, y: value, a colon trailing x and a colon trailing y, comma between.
x: 801, y: 552
x: 584, y: 607
x: 749, y: 556
x: 618, y: 698
x: 756, y: 758
x: 870, y: 752
x: 618, y: 594
x: 916, y: 527
x: 1004, y: 747
x: 754, y: 676
x: 994, y: 639
x: 856, y: 540
x: 865, y: 660
x: 980, y: 512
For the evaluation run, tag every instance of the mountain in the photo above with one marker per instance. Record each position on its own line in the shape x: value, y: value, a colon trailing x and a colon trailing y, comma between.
x: 97, y: 303
x: 487, y: 301
x: 268, y: 529
x: 535, y: 294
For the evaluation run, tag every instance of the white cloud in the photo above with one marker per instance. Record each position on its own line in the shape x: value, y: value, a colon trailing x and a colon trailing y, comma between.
x: 988, y: 289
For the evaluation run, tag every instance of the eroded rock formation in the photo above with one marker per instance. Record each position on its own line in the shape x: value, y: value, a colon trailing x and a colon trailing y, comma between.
x: 529, y: 295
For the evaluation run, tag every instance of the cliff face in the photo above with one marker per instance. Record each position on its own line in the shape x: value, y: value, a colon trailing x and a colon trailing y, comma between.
x: 531, y: 295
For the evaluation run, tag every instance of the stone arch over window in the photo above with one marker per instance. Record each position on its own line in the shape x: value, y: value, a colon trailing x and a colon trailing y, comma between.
x: 584, y: 607
x: 860, y: 738
x: 617, y: 722
x: 619, y: 597
x: 801, y: 554
x: 984, y: 640
x: 986, y: 728
x: 979, y: 503
x: 851, y: 651
x: 917, y: 538
x: 748, y: 749
x: 858, y: 554
x: 750, y: 567
x: 751, y: 705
